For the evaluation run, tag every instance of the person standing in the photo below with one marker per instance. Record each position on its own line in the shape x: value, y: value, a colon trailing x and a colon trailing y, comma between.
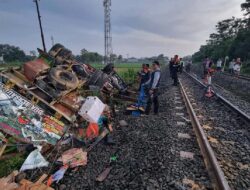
x: 171, y: 67
x: 144, y: 75
x: 181, y: 65
x: 206, y: 63
x: 219, y: 64
x: 188, y: 66
x: 237, y: 67
x: 175, y: 66
x: 231, y: 66
x: 153, y: 85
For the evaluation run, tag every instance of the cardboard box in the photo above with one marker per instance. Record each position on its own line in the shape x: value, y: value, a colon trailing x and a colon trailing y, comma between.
x: 92, y: 109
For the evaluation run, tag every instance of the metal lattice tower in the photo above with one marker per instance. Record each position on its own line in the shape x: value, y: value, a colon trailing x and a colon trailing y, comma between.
x: 107, y: 32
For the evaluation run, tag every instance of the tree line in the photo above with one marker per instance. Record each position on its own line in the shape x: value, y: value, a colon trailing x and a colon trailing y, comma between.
x: 12, y: 53
x: 15, y: 54
x: 232, y: 39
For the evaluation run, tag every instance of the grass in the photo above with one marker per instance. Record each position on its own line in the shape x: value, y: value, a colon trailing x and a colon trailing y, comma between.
x: 128, y: 71
x: 11, y: 164
x: 11, y: 64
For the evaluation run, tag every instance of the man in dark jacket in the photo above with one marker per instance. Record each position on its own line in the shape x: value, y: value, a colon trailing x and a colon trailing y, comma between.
x: 153, y: 86
x: 144, y: 75
x: 174, y: 67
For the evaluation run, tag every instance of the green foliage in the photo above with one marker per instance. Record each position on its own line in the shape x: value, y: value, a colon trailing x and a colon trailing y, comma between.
x: 89, y: 57
x: 13, y: 53
x: 10, y: 164
x: 232, y: 39
x: 129, y: 74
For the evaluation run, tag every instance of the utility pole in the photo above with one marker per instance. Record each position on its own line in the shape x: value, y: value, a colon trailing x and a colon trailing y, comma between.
x: 40, y: 24
x: 107, y: 32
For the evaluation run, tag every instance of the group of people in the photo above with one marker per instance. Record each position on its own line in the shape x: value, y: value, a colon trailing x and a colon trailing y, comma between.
x: 150, y: 80
x: 234, y: 66
x: 149, y: 83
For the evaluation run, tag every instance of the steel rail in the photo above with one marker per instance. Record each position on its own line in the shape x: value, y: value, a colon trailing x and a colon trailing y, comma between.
x: 227, y: 102
x: 244, y: 77
x: 216, y: 174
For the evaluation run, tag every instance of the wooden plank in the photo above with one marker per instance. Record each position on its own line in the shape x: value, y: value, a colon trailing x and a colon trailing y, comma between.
x: 2, y: 149
x: 7, y: 183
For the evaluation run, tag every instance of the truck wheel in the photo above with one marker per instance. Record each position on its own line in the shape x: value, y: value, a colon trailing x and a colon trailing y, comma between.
x: 108, y: 68
x: 63, y: 79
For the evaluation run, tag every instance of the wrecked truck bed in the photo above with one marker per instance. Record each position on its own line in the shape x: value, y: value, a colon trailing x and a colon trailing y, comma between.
x: 45, y: 95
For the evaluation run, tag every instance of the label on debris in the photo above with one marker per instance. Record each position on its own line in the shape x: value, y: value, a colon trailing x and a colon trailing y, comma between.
x: 25, y: 121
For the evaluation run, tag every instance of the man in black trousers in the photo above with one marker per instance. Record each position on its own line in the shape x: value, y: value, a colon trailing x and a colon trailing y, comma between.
x: 153, y: 86
x: 174, y: 69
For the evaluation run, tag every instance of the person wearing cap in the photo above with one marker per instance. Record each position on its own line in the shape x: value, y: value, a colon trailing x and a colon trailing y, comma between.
x: 153, y: 85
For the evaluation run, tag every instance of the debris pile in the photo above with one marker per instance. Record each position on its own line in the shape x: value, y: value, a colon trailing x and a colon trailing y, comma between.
x: 51, y: 104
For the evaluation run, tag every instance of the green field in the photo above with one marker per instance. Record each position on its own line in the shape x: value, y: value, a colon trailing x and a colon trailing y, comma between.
x: 11, y: 64
x: 128, y: 71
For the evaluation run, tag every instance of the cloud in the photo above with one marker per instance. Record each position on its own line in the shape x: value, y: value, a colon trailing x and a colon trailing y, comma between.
x: 139, y: 27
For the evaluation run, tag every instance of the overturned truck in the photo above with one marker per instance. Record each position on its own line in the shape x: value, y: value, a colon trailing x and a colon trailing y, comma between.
x: 44, y: 96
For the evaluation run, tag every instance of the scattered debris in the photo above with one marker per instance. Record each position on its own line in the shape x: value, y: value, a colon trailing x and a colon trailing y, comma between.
x: 34, y: 160
x: 212, y: 140
x: 184, y: 135
x: 104, y: 174
x: 186, y: 155
x: 192, y: 184
x: 58, y: 175
x: 92, y: 109
x: 74, y: 157
x: 28, y: 185
x: 180, y: 123
x: 180, y: 114
x: 123, y: 123
x: 207, y: 127
x: 8, y: 183
x: 186, y: 120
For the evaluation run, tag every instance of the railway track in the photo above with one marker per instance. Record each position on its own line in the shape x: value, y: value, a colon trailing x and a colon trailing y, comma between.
x: 222, y: 131
x: 224, y: 100
x: 211, y: 162
x: 244, y: 77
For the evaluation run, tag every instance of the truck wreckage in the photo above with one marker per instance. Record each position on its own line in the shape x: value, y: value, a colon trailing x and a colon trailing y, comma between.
x: 54, y: 96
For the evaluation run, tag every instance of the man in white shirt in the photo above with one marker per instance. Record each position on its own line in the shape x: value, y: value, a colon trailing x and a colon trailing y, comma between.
x: 231, y: 66
x: 219, y: 64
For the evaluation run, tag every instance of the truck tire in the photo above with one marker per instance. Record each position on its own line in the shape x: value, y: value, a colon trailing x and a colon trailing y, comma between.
x: 63, y: 79
x: 108, y: 68
x: 98, y: 79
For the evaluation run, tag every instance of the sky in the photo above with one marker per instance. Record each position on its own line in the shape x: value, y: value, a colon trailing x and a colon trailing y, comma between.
x: 140, y: 28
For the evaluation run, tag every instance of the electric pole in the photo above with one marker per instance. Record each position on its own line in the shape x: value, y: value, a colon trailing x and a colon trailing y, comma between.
x: 107, y: 32
x: 40, y: 24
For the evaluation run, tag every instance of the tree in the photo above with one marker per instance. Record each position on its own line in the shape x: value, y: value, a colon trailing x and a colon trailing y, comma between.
x: 89, y: 57
x: 120, y: 58
x: 246, y: 8
x: 12, y: 53
x: 113, y: 57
